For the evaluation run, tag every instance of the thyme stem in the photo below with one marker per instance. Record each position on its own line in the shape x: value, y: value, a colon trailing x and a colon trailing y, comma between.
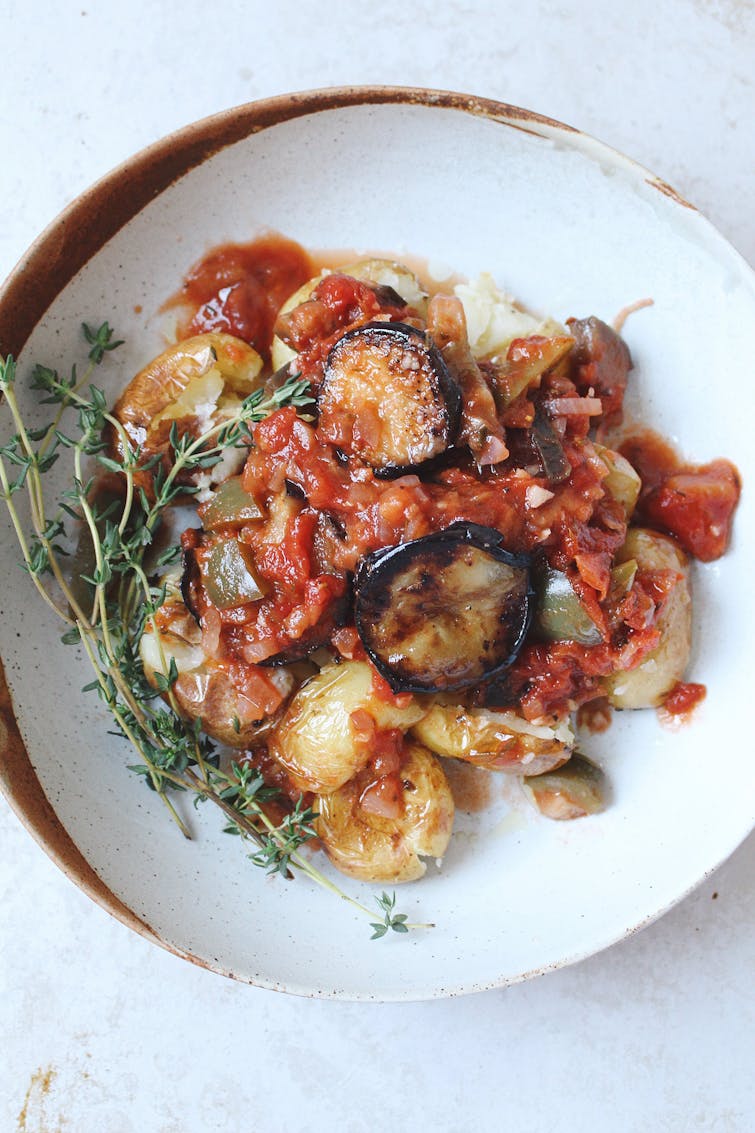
x: 171, y: 751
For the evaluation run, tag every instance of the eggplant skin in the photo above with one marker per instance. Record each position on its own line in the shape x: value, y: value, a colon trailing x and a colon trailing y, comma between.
x: 600, y: 361
x: 190, y: 583
x: 388, y: 397
x: 445, y: 611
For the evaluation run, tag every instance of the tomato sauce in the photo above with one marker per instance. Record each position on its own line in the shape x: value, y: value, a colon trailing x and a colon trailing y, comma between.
x: 238, y: 289
x: 683, y: 698
x: 694, y: 503
x: 326, y: 509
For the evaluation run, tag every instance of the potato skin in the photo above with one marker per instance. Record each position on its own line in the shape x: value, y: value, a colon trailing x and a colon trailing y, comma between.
x: 315, y: 740
x: 648, y: 684
x: 166, y: 378
x: 498, y: 741
x: 370, y: 847
x: 202, y: 692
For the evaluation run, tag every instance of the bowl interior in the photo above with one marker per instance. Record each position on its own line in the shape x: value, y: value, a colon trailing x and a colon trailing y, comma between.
x: 569, y: 227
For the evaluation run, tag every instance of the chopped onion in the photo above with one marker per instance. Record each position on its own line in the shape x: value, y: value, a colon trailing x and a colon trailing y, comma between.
x: 494, y: 451
x: 536, y: 496
x: 625, y: 312
x: 383, y: 797
x: 565, y: 406
x: 211, y: 627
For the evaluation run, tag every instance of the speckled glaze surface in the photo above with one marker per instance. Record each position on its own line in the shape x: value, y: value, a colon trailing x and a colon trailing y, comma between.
x: 570, y: 227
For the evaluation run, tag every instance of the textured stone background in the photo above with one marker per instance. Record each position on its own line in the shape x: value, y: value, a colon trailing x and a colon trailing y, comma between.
x: 103, y: 1033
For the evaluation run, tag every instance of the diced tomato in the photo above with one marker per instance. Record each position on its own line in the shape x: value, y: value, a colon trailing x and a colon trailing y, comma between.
x: 694, y: 503
x: 683, y: 697
x: 256, y: 686
x: 697, y: 506
x: 288, y: 562
x: 238, y: 288
x: 383, y: 792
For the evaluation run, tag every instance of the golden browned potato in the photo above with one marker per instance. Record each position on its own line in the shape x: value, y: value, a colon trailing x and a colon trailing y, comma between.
x: 371, y: 847
x: 389, y: 273
x: 203, y: 691
x: 315, y: 740
x: 648, y: 684
x: 201, y: 380
x: 499, y: 741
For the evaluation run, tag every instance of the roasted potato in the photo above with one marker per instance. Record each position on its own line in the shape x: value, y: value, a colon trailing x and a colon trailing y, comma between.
x: 315, y: 740
x: 499, y: 741
x: 204, y: 691
x: 373, y: 848
x: 648, y: 684
x: 494, y: 320
x: 198, y: 381
x: 388, y: 273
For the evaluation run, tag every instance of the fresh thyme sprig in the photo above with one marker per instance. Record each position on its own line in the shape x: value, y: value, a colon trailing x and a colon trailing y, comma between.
x: 394, y: 921
x: 120, y: 600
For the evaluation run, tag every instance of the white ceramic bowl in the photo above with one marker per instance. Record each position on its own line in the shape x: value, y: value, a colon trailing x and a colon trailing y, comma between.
x: 571, y: 227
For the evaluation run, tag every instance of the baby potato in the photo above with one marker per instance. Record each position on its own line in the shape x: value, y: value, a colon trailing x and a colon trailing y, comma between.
x: 648, y: 684
x: 499, y: 741
x: 384, y: 273
x: 204, y: 691
x: 201, y: 379
x: 371, y: 847
x: 315, y: 740
x: 280, y: 353
x: 388, y: 273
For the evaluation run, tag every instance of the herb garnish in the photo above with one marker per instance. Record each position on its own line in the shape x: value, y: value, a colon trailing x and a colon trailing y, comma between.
x: 120, y: 600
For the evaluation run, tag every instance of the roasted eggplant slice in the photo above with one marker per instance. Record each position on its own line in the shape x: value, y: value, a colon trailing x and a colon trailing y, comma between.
x: 387, y: 396
x: 445, y: 611
x: 573, y: 791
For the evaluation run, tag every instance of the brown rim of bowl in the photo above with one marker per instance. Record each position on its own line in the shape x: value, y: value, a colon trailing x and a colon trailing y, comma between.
x: 63, y: 249
x: 95, y: 216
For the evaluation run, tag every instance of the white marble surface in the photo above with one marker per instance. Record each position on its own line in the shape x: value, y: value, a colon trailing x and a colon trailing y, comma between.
x: 103, y: 1033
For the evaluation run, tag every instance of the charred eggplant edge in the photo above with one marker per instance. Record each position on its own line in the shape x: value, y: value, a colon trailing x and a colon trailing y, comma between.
x: 486, y: 539
x: 449, y: 388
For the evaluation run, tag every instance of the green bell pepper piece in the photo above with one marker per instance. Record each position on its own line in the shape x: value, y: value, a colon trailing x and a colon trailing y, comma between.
x: 231, y: 506
x: 230, y: 577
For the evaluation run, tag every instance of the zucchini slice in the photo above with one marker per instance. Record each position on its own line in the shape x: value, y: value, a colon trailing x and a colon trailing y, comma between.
x: 444, y: 611
x: 387, y: 396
